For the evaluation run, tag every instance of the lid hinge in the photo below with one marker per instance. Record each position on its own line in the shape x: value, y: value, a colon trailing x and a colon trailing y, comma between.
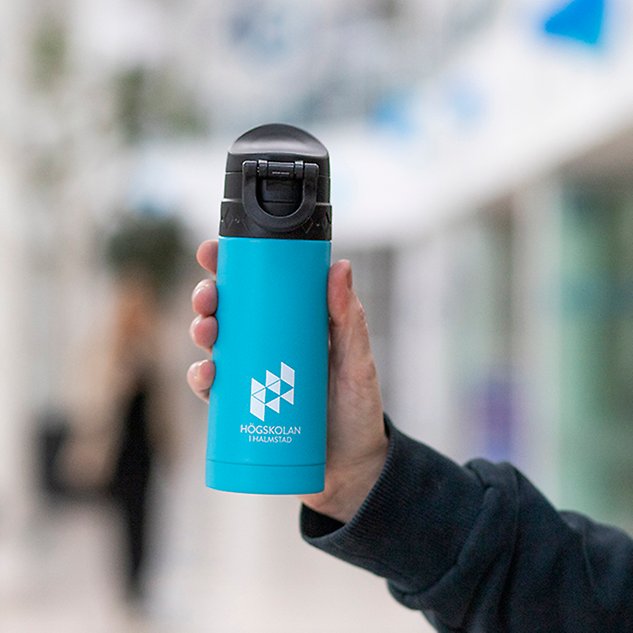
x: 275, y: 169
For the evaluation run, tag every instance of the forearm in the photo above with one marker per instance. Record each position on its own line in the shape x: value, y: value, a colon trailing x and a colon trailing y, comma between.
x: 479, y: 549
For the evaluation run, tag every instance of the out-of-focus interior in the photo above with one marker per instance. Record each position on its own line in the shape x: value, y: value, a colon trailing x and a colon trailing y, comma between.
x: 482, y: 186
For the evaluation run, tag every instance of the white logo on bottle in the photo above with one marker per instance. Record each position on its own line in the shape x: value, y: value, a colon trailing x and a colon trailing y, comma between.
x: 269, y: 395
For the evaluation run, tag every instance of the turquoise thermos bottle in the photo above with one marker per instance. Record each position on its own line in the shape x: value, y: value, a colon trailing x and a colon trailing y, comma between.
x: 268, y: 403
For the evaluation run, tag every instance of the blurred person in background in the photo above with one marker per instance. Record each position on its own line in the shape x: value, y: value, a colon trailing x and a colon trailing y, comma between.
x: 475, y: 548
x: 121, y: 403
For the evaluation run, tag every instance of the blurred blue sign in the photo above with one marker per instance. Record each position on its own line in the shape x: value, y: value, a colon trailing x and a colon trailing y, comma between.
x: 580, y: 20
x: 394, y: 113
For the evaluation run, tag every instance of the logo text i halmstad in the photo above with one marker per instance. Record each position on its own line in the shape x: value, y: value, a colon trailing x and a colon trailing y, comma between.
x: 269, y: 396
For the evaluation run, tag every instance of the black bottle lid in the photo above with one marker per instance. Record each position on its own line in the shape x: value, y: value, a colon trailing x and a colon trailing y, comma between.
x: 277, y: 185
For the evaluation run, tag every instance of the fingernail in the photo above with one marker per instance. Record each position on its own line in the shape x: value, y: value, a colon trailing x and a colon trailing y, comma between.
x: 194, y: 323
x: 197, y: 369
x: 199, y: 288
x: 348, y: 277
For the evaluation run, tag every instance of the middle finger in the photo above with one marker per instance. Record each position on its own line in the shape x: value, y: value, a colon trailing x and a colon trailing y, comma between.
x: 204, y: 299
x: 204, y: 331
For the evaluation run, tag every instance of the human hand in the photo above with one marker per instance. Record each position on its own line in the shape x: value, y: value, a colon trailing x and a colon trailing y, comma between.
x: 356, y: 440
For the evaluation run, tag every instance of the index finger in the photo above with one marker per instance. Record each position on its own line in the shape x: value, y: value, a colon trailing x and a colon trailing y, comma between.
x: 207, y: 255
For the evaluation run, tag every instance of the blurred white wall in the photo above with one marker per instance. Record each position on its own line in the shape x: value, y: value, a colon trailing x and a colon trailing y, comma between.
x: 15, y: 483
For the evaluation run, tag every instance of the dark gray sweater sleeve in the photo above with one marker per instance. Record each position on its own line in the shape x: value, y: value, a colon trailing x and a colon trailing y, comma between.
x: 478, y: 548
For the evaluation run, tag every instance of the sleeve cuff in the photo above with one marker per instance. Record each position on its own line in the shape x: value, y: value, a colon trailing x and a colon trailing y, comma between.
x: 413, y: 524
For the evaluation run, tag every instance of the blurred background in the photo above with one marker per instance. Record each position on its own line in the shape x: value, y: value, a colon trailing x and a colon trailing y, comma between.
x: 482, y: 160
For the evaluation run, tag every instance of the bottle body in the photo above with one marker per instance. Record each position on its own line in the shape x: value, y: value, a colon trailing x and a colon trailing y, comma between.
x: 268, y: 403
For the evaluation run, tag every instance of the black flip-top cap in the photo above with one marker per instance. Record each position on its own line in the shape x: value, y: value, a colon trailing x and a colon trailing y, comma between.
x: 277, y: 186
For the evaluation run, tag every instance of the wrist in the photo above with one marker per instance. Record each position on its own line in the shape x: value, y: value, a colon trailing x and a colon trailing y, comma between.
x: 347, y: 487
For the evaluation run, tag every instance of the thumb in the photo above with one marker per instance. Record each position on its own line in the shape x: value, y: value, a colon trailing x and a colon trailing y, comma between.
x: 349, y: 336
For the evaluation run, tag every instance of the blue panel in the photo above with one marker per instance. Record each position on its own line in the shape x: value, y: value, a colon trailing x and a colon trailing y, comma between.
x: 580, y: 20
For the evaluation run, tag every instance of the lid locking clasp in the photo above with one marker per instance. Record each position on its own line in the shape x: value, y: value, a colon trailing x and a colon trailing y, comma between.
x: 299, y: 170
